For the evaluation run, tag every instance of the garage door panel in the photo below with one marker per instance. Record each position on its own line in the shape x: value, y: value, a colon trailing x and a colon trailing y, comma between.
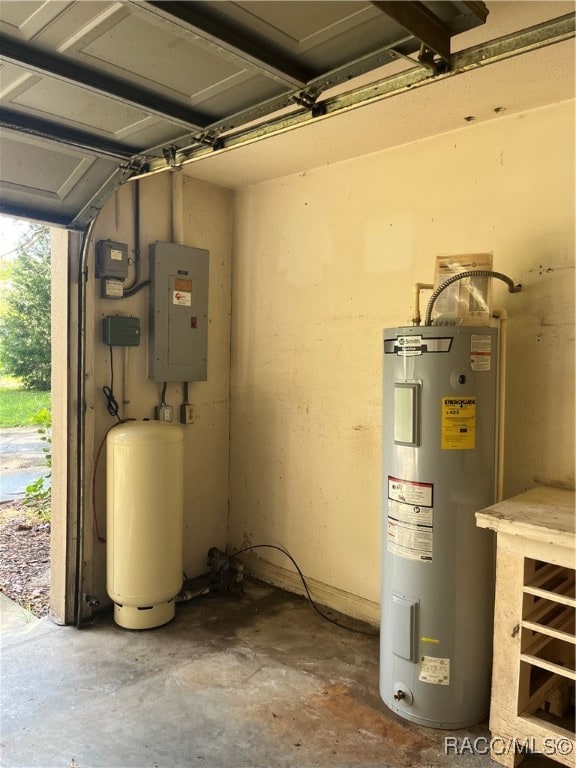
x: 322, y: 35
x: 28, y: 19
x: 180, y: 65
x: 76, y: 106
x: 49, y: 182
x: 30, y: 168
x: 96, y: 92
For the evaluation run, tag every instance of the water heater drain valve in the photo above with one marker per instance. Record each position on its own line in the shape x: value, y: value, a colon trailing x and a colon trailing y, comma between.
x: 403, y: 693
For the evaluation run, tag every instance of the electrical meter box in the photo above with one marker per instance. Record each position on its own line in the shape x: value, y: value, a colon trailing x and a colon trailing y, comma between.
x: 111, y: 259
x: 178, y: 335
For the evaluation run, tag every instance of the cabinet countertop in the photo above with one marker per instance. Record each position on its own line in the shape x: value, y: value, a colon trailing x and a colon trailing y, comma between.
x: 544, y: 513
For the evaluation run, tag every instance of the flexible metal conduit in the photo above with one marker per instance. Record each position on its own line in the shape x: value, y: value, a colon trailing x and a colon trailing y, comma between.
x: 512, y: 287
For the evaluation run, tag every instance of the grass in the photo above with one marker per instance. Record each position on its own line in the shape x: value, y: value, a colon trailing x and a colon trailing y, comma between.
x: 18, y: 406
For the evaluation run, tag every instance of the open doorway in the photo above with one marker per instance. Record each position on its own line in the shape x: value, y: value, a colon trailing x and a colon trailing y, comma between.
x: 33, y: 352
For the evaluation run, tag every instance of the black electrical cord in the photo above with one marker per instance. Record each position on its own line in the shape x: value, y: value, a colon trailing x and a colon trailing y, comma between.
x: 111, y: 402
x: 206, y: 590
x: 163, y: 395
x: 186, y: 393
x: 136, y: 289
x: 94, y: 471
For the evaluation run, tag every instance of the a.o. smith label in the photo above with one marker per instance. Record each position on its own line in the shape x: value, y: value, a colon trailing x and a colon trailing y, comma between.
x: 409, y: 346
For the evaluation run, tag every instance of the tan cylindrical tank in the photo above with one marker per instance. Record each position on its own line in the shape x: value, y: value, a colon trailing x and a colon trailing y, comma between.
x: 144, y: 522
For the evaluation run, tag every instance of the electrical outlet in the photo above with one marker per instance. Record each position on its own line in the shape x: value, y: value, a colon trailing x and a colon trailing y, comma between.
x: 164, y: 413
x: 186, y: 414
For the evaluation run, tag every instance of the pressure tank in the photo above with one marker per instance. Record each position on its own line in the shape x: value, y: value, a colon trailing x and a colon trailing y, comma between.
x: 144, y: 522
x: 439, y: 468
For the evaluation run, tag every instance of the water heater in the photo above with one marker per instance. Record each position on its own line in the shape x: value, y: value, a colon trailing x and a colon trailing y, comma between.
x: 439, y: 468
x: 144, y: 522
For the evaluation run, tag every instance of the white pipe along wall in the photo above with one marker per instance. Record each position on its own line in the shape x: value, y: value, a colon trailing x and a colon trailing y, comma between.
x: 323, y: 262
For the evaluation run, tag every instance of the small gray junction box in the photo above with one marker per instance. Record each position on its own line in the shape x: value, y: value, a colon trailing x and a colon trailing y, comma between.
x: 111, y: 259
x: 118, y: 331
x: 178, y: 337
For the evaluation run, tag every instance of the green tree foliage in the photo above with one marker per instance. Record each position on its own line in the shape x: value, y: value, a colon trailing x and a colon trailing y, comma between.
x: 38, y: 495
x: 25, y: 319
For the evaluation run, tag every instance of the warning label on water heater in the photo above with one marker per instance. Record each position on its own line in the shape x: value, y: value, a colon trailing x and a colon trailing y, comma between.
x: 410, y: 529
x: 458, y: 423
x: 433, y: 670
x: 480, y: 352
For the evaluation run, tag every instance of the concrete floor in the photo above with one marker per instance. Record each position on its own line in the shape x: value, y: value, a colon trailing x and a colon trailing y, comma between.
x: 233, y: 682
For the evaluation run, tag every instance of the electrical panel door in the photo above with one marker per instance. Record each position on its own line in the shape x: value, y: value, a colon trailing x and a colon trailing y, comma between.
x: 178, y: 335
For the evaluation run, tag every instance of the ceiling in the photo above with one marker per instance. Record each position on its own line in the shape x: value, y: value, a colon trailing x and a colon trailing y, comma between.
x: 95, y: 93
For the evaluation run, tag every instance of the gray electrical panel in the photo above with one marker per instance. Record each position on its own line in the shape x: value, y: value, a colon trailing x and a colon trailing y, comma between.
x: 178, y: 336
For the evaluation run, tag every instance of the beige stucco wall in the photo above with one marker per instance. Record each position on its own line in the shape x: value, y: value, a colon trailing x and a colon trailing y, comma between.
x: 204, y: 220
x: 323, y: 261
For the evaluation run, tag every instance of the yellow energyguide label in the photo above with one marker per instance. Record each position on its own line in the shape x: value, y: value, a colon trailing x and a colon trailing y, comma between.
x: 429, y: 640
x: 458, y: 423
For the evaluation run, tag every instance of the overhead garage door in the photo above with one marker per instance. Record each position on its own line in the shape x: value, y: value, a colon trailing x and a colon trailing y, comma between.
x: 94, y: 93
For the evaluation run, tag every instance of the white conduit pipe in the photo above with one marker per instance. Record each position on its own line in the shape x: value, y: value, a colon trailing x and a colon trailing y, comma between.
x: 502, y: 316
x: 177, y: 208
x: 125, y: 385
x: 417, y: 319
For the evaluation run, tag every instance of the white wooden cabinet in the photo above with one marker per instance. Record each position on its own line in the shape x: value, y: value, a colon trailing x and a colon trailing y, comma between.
x: 534, y: 644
